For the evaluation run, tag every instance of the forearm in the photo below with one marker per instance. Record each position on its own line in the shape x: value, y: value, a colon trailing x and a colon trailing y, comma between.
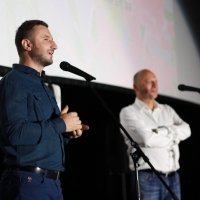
x: 177, y: 132
x: 148, y: 137
x: 181, y: 132
x: 32, y: 133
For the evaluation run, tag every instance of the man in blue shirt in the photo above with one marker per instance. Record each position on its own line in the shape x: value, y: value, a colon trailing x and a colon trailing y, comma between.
x: 33, y: 131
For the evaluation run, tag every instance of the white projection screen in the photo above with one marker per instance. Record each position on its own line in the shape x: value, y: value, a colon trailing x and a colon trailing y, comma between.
x: 111, y: 40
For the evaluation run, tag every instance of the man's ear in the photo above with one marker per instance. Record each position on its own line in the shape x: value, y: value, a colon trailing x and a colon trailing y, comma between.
x: 26, y: 44
x: 135, y: 87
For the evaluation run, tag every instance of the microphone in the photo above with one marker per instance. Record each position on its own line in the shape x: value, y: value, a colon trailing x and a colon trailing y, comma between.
x: 67, y: 67
x: 182, y: 87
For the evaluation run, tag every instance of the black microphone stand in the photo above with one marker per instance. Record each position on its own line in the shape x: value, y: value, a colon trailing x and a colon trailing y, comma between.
x: 138, y: 153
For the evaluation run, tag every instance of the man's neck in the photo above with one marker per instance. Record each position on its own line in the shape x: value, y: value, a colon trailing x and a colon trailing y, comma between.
x: 32, y: 65
x: 149, y: 102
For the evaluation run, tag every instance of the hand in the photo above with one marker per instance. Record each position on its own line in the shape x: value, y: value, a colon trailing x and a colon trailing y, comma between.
x: 71, y: 120
x: 77, y: 133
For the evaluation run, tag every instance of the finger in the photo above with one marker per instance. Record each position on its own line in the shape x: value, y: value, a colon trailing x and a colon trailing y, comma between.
x: 76, y: 118
x: 78, y: 132
x: 73, y: 114
x: 73, y: 134
x: 79, y: 122
x: 79, y: 127
x: 65, y: 110
x: 85, y: 127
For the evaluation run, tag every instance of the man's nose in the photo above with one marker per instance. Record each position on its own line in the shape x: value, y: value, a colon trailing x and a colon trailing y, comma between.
x: 54, y: 45
x: 154, y: 84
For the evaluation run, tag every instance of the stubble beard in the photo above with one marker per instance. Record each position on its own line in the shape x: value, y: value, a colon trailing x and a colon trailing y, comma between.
x: 40, y: 58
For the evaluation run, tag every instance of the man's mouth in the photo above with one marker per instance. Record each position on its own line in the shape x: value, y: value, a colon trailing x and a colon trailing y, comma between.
x: 51, y: 53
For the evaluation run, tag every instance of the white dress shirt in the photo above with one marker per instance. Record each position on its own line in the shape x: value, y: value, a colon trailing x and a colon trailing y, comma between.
x: 157, y: 132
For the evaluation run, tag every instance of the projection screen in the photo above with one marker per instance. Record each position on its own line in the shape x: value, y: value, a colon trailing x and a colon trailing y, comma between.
x: 111, y: 40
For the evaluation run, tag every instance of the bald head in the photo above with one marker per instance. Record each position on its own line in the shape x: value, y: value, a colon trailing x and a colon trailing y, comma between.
x: 139, y: 74
x: 145, y: 84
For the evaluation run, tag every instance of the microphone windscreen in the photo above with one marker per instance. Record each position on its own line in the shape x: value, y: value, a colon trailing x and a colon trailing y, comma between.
x: 181, y: 87
x: 64, y: 65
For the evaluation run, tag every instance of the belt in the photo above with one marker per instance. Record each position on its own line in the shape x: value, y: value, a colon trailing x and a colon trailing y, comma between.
x: 161, y: 173
x: 55, y: 175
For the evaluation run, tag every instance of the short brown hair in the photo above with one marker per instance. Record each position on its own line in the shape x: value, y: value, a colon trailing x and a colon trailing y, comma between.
x: 25, y: 31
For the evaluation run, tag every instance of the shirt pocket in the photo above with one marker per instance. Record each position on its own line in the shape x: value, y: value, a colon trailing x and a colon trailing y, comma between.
x: 42, y: 106
x: 53, y: 103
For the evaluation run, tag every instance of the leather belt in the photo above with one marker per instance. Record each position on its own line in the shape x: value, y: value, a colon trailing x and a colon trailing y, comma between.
x: 161, y: 173
x: 55, y: 175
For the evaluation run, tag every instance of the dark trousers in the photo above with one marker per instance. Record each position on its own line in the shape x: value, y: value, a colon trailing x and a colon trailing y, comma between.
x: 20, y: 185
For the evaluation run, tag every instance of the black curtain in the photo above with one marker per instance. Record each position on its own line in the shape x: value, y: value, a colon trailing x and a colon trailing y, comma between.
x: 97, y: 163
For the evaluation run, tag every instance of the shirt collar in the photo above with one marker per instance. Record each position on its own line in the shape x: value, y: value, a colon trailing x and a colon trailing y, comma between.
x: 141, y: 105
x: 28, y: 70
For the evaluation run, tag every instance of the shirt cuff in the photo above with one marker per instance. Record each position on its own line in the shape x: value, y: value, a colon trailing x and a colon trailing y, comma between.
x: 162, y: 131
x: 59, y: 125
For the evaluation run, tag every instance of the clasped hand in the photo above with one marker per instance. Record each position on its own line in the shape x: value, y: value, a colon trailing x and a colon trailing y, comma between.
x: 73, y: 123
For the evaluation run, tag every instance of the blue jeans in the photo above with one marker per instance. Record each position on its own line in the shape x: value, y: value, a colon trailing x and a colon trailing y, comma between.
x: 151, y: 188
x: 20, y: 185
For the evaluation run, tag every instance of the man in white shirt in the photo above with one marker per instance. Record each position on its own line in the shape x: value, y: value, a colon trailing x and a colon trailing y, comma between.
x: 157, y: 129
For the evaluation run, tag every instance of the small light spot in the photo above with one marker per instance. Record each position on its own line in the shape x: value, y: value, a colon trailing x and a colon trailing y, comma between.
x: 29, y: 179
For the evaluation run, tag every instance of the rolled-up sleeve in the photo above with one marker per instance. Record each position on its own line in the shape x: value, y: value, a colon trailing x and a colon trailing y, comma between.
x: 142, y: 134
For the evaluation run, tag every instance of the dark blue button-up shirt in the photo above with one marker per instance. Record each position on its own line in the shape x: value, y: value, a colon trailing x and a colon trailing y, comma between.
x: 31, y: 132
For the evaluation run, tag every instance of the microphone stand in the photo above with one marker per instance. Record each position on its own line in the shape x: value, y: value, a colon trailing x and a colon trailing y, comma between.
x: 138, y: 153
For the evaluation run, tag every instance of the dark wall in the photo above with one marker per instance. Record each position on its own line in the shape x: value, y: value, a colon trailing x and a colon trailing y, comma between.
x: 191, y: 12
x: 99, y: 155
x: 97, y: 164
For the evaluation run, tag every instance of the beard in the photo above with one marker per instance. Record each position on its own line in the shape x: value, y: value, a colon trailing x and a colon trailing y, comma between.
x: 40, y: 57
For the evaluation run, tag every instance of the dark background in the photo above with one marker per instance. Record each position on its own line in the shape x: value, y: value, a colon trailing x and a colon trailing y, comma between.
x: 97, y: 162
x: 190, y: 9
